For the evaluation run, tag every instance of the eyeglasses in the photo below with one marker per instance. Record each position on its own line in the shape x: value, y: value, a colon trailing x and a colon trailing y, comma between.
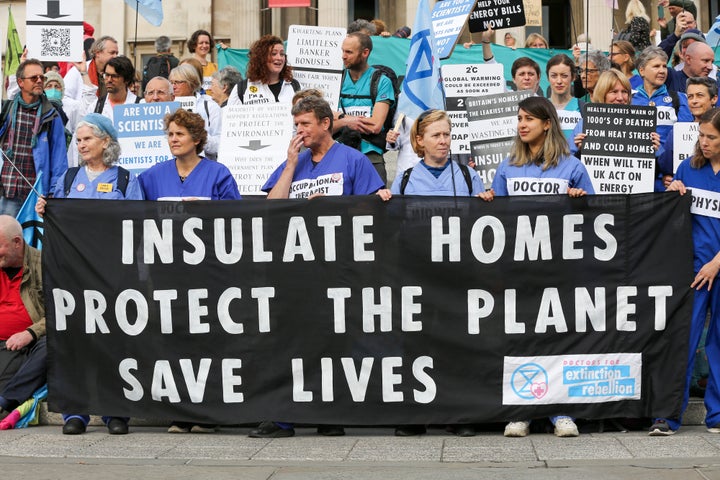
x: 159, y: 93
x: 178, y: 82
x: 113, y: 76
x: 588, y: 71
x: 35, y: 78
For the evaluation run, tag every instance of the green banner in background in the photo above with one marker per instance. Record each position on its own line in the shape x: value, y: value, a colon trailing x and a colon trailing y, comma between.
x: 393, y: 52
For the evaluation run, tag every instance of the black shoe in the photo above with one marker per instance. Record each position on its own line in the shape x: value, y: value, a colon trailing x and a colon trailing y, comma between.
x: 463, y: 430
x: 409, y: 430
x: 74, y: 426
x: 117, y: 426
x: 331, y: 430
x: 271, y: 430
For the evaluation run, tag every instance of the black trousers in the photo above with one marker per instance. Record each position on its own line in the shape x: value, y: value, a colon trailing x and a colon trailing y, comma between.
x: 22, y: 372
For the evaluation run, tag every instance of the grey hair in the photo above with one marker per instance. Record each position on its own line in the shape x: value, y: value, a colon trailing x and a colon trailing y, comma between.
x: 650, y: 53
x: 100, y: 44
x: 162, y: 43
x: 359, y: 25
x: 188, y: 73
x: 227, y: 77
x: 111, y: 153
x: 596, y: 57
x: 167, y: 82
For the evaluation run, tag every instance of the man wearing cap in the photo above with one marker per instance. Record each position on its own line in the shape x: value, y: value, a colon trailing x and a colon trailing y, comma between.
x: 675, y: 7
x: 22, y: 318
x: 32, y: 138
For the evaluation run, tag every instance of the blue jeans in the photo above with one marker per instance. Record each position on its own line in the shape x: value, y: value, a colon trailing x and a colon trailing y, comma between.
x: 10, y: 206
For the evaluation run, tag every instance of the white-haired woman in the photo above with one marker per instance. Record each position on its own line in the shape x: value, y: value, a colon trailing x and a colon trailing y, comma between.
x: 97, y: 177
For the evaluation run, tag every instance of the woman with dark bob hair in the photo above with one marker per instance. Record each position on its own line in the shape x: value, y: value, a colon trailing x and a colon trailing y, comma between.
x: 269, y: 77
x: 200, y: 44
x: 188, y: 176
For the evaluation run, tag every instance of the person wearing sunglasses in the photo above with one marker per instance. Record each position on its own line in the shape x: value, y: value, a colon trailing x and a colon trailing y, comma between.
x: 32, y: 137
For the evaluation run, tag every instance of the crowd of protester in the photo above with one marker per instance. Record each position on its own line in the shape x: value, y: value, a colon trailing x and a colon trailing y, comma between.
x: 50, y: 103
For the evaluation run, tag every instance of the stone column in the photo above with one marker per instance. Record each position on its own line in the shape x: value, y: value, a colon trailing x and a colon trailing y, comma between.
x: 332, y: 13
x: 246, y: 29
x: 600, y: 27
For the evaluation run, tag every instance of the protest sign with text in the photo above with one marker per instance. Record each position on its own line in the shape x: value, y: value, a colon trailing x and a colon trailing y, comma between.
x: 685, y: 135
x: 448, y: 21
x: 617, y: 150
x: 492, y: 121
x: 254, y: 142
x: 496, y: 14
x: 460, y: 82
x: 141, y: 134
x: 315, y: 55
x: 54, y: 30
x: 350, y: 310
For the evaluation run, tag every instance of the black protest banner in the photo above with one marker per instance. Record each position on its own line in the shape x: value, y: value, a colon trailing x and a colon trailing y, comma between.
x: 496, y: 14
x: 353, y: 311
x: 617, y: 150
x: 492, y: 120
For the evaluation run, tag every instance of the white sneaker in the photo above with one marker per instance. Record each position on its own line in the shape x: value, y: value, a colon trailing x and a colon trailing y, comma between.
x: 565, y: 427
x: 517, y: 429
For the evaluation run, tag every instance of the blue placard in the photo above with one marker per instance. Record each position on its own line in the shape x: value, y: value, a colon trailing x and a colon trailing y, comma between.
x: 448, y: 19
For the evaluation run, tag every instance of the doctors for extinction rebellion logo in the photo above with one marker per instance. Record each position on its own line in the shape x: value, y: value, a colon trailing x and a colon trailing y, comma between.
x: 530, y: 381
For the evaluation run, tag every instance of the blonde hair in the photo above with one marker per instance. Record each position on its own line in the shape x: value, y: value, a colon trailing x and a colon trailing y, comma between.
x: 555, y: 145
x: 535, y: 36
x: 418, y: 127
x: 635, y: 9
x: 606, y: 81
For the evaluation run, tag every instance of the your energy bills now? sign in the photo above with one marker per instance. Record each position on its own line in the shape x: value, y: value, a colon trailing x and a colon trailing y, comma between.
x: 496, y: 14
x: 617, y: 150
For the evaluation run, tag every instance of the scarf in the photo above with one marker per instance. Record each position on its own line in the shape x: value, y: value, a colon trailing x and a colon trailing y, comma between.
x: 18, y: 101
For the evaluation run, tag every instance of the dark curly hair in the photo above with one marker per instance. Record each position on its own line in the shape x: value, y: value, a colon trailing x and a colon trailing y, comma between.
x: 193, y: 122
x: 257, y: 69
x: 193, y: 40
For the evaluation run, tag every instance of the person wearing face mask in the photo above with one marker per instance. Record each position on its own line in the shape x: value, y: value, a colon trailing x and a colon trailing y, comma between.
x: 55, y: 92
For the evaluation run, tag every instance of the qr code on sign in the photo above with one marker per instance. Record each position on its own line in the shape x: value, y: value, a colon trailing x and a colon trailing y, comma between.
x: 55, y: 42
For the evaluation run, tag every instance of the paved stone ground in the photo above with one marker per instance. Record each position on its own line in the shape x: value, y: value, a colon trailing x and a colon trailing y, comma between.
x: 364, y: 453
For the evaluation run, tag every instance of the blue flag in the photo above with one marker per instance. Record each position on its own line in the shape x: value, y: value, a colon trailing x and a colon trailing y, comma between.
x: 30, y: 221
x: 151, y: 10
x: 422, y: 87
x: 713, y: 35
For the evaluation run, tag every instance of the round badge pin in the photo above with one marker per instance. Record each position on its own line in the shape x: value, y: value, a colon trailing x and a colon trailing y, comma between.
x: 80, y: 187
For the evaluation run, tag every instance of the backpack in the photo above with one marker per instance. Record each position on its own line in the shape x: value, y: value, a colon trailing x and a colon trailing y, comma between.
x: 123, y: 178
x: 463, y: 168
x: 158, y: 66
x: 378, y: 139
x: 100, y: 105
